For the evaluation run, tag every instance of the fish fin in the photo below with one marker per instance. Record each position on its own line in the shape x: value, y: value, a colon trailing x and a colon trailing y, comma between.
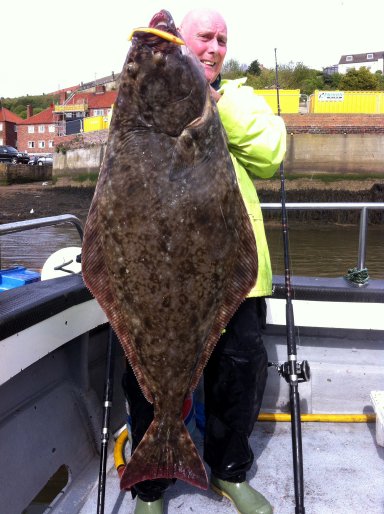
x: 177, y: 457
x: 184, y: 157
x: 95, y: 273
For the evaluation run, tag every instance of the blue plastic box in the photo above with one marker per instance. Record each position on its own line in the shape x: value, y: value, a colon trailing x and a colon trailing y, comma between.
x: 16, y: 277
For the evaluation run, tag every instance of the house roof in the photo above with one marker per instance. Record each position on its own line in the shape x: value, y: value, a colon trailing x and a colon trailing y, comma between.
x: 7, y: 115
x: 94, y: 100
x: 64, y: 90
x: 359, y: 58
x: 42, y: 117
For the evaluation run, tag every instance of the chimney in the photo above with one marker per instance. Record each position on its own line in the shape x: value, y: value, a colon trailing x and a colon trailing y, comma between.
x: 29, y: 111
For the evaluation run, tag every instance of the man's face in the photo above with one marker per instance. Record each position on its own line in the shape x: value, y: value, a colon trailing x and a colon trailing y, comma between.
x: 206, y: 37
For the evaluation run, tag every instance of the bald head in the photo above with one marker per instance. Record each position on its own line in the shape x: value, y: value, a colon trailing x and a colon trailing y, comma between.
x: 205, y: 33
x: 201, y: 15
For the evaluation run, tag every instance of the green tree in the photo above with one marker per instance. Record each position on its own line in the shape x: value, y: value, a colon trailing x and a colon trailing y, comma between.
x: 266, y: 79
x: 332, y: 81
x: 380, y: 80
x: 359, y: 80
x: 254, y: 68
x: 232, y: 69
x: 18, y: 105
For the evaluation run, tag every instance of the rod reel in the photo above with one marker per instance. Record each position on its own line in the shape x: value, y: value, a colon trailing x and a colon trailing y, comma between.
x: 300, y: 370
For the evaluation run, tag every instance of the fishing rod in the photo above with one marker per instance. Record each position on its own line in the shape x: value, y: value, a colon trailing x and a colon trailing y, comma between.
x: 292, y: 371
x: 108, y: 394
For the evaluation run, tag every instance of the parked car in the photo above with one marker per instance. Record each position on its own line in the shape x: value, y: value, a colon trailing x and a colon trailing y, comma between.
x: 9, y: 154
x: 40, y: 160
x: 45, y: 159
x: 33, y: 160
x: 23, y: 157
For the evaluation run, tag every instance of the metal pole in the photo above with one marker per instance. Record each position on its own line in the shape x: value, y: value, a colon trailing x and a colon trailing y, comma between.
x: 362, y: 238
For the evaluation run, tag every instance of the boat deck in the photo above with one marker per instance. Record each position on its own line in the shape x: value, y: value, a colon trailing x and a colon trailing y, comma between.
x: 343, y: 473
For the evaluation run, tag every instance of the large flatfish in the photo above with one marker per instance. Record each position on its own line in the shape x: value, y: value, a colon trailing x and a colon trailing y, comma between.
x: 168, y: 249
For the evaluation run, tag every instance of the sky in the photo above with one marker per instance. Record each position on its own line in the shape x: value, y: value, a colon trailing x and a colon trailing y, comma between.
x: 54, y: 44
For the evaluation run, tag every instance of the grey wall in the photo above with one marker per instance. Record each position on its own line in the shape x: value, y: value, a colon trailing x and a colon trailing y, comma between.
x: 351, y: 153
x: 80, y: 161
x: 22, y: 173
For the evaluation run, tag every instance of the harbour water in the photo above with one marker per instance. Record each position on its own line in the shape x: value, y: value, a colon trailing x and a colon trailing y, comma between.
x: 316, y: 249
x: 326, y: 249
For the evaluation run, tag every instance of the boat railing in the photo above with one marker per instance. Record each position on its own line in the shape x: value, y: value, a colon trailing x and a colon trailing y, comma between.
x: 20, y: 226
x: 363, y: 207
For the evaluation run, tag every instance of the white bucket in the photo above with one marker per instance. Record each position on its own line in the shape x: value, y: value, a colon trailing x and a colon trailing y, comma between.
x: 377, y: 398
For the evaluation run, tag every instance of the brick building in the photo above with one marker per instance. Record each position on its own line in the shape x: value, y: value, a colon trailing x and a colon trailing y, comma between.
x: 38, y: 133
x: 8, y: 127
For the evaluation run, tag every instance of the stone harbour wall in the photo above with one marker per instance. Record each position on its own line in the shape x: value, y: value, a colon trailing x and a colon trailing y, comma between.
x: 335, y: 153
x: 316, y: 143
x: 79, y: 161
x: 22, y: 173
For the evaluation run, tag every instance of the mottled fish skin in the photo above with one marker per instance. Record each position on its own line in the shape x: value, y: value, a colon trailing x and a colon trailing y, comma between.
x: 168, y: 248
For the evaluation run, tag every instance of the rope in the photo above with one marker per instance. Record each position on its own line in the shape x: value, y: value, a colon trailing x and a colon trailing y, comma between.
x: 357, y: 276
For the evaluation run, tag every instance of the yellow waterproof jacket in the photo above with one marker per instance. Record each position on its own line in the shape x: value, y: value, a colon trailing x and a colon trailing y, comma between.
x: 257, y: 144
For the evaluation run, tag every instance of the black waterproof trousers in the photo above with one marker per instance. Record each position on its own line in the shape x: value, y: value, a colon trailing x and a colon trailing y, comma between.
x: 234, y: 383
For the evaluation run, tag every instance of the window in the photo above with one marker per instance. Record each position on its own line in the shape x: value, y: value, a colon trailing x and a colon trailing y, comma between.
x: 98, y: 112
x: 31, y: 129
x: 15, y: 128
x: 50, y: 143
x: 1, y: 126
x: 41, y: 144
x: 349, y: 58
x: 1, y: 141
x: 51, y: 128
x: 41, y: 129
x: 31, y: 144
x: 369, y: 56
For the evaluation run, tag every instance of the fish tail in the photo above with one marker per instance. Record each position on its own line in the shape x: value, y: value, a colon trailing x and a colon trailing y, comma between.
x: 175, y: 456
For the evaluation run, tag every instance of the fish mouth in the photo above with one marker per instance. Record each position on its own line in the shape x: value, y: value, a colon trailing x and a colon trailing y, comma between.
x: 161, y: 28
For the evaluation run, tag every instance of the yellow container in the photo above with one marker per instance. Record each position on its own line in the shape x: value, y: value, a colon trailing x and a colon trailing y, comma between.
x: 93, y: 123
x: 347, y: 102
x: 289, y: 99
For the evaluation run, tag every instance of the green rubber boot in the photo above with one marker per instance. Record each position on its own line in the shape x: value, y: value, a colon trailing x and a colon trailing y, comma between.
x: 246, y: 499
x: 143, y: 507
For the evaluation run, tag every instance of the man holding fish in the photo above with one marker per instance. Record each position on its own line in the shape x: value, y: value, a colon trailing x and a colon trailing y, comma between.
x: 236, y: 373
